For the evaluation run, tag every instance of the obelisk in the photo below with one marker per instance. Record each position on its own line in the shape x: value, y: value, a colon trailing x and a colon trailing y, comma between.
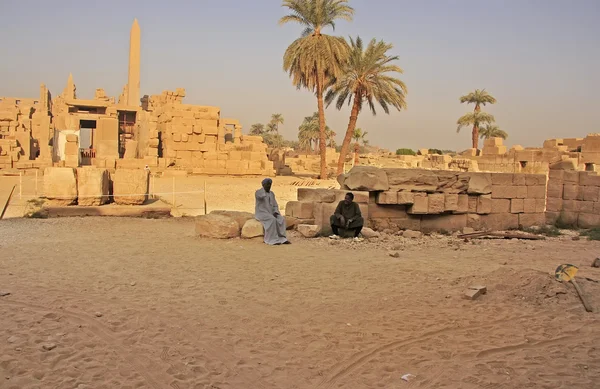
x: 133, y: 81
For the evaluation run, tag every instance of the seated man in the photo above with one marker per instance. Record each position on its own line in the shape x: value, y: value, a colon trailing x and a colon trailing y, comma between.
x: 347, y: 216
x: 266, y: 211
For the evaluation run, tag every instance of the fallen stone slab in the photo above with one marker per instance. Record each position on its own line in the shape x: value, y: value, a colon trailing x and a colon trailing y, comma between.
x: 217, y: 227
x: 475, y: 291
x: 60, y: 185
x: 308, y: 230
x: 366, y: 178
x: 92, y: 186
x: 369, y: 233
x: 252, y: 229
x: 109, y: 210
x: 240, y: 217
x: 410, y: 234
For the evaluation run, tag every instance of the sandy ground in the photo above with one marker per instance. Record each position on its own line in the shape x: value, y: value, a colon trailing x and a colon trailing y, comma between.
x: 230, y: 193
x: 133, y: 303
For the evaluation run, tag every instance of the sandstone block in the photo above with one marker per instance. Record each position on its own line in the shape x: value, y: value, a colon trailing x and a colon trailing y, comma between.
x: 554, y: 204
x: 71, y: 148
x: 493, y: 222
x: 535, y: 179
x: 555, y: 189
x: 527, y: 220
x: 92, y: 186
x: 240, y: 217
x: 217, y: 227
x: 412, y: 234
x: 472, y: 204
x: 299, y: 209
x: 405, y: 197
x: 387, y: 211
x: 409, y: 222
x: 590, y: 193
x: 589, y: 179
x: 484, y: 204
x: 492, y: 142
x: 557, y: 175
x: 571, y: 176
x: 572, y: 192
x: 529, y: 205
x: 517, y: 206
x: 441, y: 223
x: 130, y: 186
x: 503, y: 179
x: 571, y: 205
x: 323, y: 212
x: 451, y: 202
x: 60, y: 185
x: 417, y: 180
x: 501, y: 206
x: 252, y: 229
x: 519, y: 179
x: 367, y: 178
x: 71, y: 161
x: 360, y: 197
x: 387, y: 198
x: 509, y: 192
x: 437, y: 203
x: 72, y: 138
x: 463, y: 204
x: 536, y: 192
x: 420, y: 205
x: 588, y: 220
x: 308, y: 230
x: 316, y: 195
x: 552, y: 217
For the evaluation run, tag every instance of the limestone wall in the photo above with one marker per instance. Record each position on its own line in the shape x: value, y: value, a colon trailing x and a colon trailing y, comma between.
x: 430, y: 200
x: 573, y: 198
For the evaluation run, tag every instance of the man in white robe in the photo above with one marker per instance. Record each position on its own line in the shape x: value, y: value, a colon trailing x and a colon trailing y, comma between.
x: 267, y: 212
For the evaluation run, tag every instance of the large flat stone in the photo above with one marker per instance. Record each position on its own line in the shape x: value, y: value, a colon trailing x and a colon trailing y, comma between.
x: 60, y: 185
x: 130, y: 186
x: 217, y: 227
x: 366, y: 178
x: 93, y: 186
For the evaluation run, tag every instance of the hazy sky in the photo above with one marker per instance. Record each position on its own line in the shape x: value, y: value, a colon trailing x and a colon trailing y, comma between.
x: 539, y: 58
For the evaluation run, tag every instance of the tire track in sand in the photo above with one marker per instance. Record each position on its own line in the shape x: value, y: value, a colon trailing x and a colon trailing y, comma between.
x: 357, y: 360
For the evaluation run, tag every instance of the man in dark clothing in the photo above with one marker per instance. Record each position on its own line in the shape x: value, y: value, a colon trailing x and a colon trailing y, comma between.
x: 347, y: 216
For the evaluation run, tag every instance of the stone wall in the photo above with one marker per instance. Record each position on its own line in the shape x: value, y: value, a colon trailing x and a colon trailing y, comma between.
x: 573, y: 198
x: 430, y: 200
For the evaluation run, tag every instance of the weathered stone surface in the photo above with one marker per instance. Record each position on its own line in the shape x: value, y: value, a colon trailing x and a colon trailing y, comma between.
x: 387, y: 197
x: 535, y: 179
x: 451, y: 202
x: 437, y: 203
x: 292, y: 222
x: 410, y: 234
x: 240, y: 217
x: 316, y: 195
x: 446, y: 223
x: 555, y: 189
x: 484, y: 204
x: 472, y: 204
x: 387, y: 211
x: 420, y: 205
x: 299, y: 209
x: 406, y: 197
x: 60, y: 185
x: 417, y: 180
x: 367, y: 178
x: 130, y: 186
x: 252, y: 229
x: 589, y: 179
x: 590, y: 193
x: 480, y: 183
x: 493, y: 222
x: 588, y: 220
x: 360, y: 197
x: 503, y: 179
x: 369, y: 233
x: 571, y: 176
x: 563, y: 165
x: 308, y: 230
x: 501, y: 205
x: 217, y: 227
x: 572, y: 192
x: 536, y: 192
x: 532, y: 219
x: 554, y: 204
x: 463, y: 204
x: 93, y: 185
x: 517, y: 205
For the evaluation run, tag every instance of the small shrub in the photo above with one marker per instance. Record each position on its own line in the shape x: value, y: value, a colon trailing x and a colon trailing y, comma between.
x: 591, y: 234
x: 405, y: 152
x: 562, y: 224
x: 435, y: 151
x: 550, y: 231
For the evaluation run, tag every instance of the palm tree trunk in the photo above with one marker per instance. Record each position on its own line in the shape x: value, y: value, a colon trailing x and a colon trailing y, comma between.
x: 349, y: 133
x: 356, y: 151
x: 322, y: 137
x: 476, y: 137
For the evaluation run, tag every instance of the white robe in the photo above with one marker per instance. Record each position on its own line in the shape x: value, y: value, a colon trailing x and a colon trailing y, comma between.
x: 266, y: 206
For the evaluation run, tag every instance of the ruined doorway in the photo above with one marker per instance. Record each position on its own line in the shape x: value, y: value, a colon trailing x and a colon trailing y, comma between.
x: 126, y: 129
x: 87, y: 133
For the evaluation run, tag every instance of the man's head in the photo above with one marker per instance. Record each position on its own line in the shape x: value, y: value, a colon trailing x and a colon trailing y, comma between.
x: 266, y: 184
x: 349, y: 198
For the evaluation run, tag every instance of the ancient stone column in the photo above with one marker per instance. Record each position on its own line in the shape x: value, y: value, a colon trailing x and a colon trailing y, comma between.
x: 133, y: 81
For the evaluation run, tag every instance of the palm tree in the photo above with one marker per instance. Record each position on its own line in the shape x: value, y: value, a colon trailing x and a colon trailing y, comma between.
x: 257, y: 129
x: 271, y: 128
x: 308, y: 132
x: 368, y: 77
x: 331, y: 138
x: 359, y: 136
x: 276, y: 120
x: 314, y: 58
x: 492, y: 131
x: 479, y: 98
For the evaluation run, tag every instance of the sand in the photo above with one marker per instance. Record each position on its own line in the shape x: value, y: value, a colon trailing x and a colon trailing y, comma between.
x: 133, y: 303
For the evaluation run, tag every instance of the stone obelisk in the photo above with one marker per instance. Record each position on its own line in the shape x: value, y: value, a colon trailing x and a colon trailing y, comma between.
x: 133, y: 81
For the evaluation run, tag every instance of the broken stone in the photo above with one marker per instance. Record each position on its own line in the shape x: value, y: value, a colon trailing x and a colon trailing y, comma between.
x: 240, y: 217
x: 596, y: 262
x: 394, y: 254
x: 12, y: 339
x: 412, y: 234
x: 369, y: 233
x: 472, y: 294
x: 60, y: 185
x: 481, y: 288
x: 308, y: 230
x: 367, y: 178
x: 217, y: 227
x: 468, y: 230
x: 98, y: 314
x: 49, y: 346
x: 252, y: 229
x: 4, y: 293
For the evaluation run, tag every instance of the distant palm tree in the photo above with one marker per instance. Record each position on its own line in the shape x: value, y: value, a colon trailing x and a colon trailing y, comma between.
x: 276, y: 120
x: 309, y: 134
x: 366, y: 77
x: 314, y: 58
x: 331, y: 138
x: 492, y: 131
x: 271, y: 128
x: 257, y: 129
x: 479, y: 98
x: 359, y: 136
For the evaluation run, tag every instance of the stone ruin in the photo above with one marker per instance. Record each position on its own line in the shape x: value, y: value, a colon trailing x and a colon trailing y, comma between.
x: 158, y: 131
